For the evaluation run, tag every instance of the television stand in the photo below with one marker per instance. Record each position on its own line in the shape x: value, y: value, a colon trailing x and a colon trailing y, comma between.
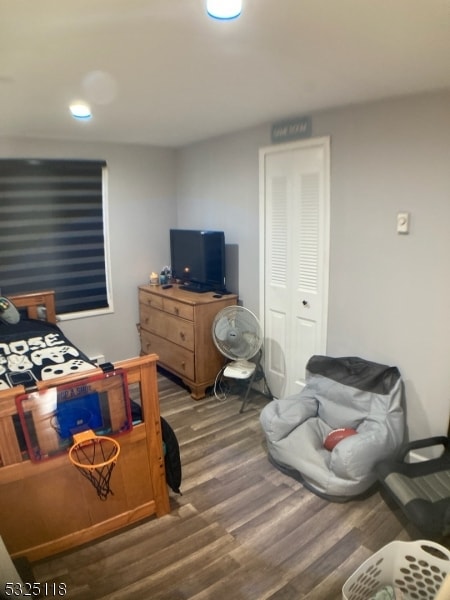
x: 199, y: 288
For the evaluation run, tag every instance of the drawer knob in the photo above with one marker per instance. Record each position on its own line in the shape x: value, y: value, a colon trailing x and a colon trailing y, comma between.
x: 176, y: 310
x: 182, y: 335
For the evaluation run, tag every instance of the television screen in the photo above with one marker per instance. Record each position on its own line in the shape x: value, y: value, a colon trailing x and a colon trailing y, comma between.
x: 198, y: 259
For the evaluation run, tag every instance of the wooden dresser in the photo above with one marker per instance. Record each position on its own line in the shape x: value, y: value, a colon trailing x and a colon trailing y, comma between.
x: 176, y: 325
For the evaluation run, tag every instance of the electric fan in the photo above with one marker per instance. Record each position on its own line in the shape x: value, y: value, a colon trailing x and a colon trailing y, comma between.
x: 237, y: 334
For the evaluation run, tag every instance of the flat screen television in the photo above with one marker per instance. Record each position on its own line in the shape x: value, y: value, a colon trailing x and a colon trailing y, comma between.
x: 198, y: 259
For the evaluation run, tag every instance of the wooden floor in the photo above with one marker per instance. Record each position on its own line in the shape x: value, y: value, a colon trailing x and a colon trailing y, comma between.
x: 241, y: 530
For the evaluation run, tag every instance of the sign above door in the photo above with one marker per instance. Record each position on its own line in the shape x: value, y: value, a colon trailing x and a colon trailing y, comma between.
x: 293, y: 129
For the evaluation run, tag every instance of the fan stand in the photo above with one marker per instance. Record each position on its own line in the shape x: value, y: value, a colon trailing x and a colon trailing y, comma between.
x: 258, y: 373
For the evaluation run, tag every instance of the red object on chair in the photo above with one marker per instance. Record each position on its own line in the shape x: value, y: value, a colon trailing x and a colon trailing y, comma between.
x: 336, y: 436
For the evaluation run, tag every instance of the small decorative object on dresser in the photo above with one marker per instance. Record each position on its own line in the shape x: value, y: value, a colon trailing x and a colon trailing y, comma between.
x: 176, y: 325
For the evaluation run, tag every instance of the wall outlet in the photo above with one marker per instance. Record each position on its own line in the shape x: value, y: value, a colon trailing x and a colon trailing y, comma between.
x: 99, y: 359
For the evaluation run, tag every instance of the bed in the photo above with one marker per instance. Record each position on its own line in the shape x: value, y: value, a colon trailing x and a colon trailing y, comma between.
x: 47, y: 506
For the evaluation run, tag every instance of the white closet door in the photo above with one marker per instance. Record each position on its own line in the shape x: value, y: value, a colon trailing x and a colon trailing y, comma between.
x: 295, y: 243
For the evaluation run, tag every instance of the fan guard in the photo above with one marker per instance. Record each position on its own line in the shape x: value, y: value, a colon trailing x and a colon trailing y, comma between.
x: 237, y: 333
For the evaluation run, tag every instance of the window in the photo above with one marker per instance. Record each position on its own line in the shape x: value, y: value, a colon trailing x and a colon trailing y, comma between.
x: 53, y: 232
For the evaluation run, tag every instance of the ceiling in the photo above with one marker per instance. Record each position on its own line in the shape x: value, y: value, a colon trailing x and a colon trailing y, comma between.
x: 162, y: 72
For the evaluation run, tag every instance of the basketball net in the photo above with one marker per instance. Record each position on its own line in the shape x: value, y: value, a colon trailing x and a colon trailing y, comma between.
x: 95, y: 456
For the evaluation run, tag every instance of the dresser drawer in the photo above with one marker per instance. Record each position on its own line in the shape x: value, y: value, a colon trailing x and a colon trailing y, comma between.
x: 180, y: 331
x: 152, y: 319
x: 175, y: 357
x: 185, y: 311
x: 146, y: 299
x: 173, y: 328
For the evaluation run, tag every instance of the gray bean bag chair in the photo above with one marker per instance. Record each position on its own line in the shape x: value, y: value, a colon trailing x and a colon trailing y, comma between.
x: 345, y: 392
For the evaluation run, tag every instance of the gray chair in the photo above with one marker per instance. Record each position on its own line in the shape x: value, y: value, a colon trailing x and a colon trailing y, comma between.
x: 348, y: 392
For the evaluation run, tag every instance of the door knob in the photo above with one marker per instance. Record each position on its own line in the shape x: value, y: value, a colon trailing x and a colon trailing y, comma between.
x: 305, y: 302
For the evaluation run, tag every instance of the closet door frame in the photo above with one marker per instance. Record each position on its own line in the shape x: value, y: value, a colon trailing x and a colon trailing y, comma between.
x: 308, y: 312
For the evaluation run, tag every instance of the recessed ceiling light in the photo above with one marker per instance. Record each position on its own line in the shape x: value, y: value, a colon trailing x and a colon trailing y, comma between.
x: 224, y: 10
x: 80, y: 110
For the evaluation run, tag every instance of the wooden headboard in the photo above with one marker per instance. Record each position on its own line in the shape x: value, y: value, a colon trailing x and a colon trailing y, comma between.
x: 33, y: 301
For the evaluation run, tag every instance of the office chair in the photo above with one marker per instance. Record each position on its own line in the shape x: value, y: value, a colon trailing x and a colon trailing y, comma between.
x: 421, y: 489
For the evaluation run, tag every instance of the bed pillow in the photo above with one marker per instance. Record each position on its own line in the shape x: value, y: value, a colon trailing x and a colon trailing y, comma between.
x: 8, y: 312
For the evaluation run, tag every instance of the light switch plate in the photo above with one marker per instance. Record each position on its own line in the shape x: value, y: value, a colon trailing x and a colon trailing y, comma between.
x: 402, y: 222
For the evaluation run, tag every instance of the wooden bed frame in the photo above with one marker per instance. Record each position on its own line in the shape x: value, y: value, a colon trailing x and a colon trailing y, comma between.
x: 50, y: 507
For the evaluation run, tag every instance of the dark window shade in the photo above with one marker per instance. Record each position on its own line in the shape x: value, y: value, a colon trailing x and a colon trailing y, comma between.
x: 52, y: 231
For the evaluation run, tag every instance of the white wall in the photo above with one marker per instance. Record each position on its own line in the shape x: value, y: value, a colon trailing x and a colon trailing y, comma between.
x: 217, y: 188
x: 141, y: 193
x: 389, y: 294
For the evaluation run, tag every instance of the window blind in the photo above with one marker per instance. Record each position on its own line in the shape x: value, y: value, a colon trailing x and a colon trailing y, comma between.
x: 52, y: 233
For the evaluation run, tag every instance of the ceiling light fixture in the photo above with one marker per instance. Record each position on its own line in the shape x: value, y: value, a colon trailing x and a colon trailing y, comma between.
x: 80, y: 111
x: 224, y: 10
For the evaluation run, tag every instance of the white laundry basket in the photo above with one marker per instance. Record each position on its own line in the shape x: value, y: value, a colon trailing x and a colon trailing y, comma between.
x: 416, y: 569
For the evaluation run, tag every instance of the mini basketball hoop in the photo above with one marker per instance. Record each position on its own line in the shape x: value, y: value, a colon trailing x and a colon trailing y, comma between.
x: 95, y: 456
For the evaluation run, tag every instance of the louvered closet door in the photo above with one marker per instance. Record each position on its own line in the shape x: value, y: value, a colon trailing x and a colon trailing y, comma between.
x: 295, y: 232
